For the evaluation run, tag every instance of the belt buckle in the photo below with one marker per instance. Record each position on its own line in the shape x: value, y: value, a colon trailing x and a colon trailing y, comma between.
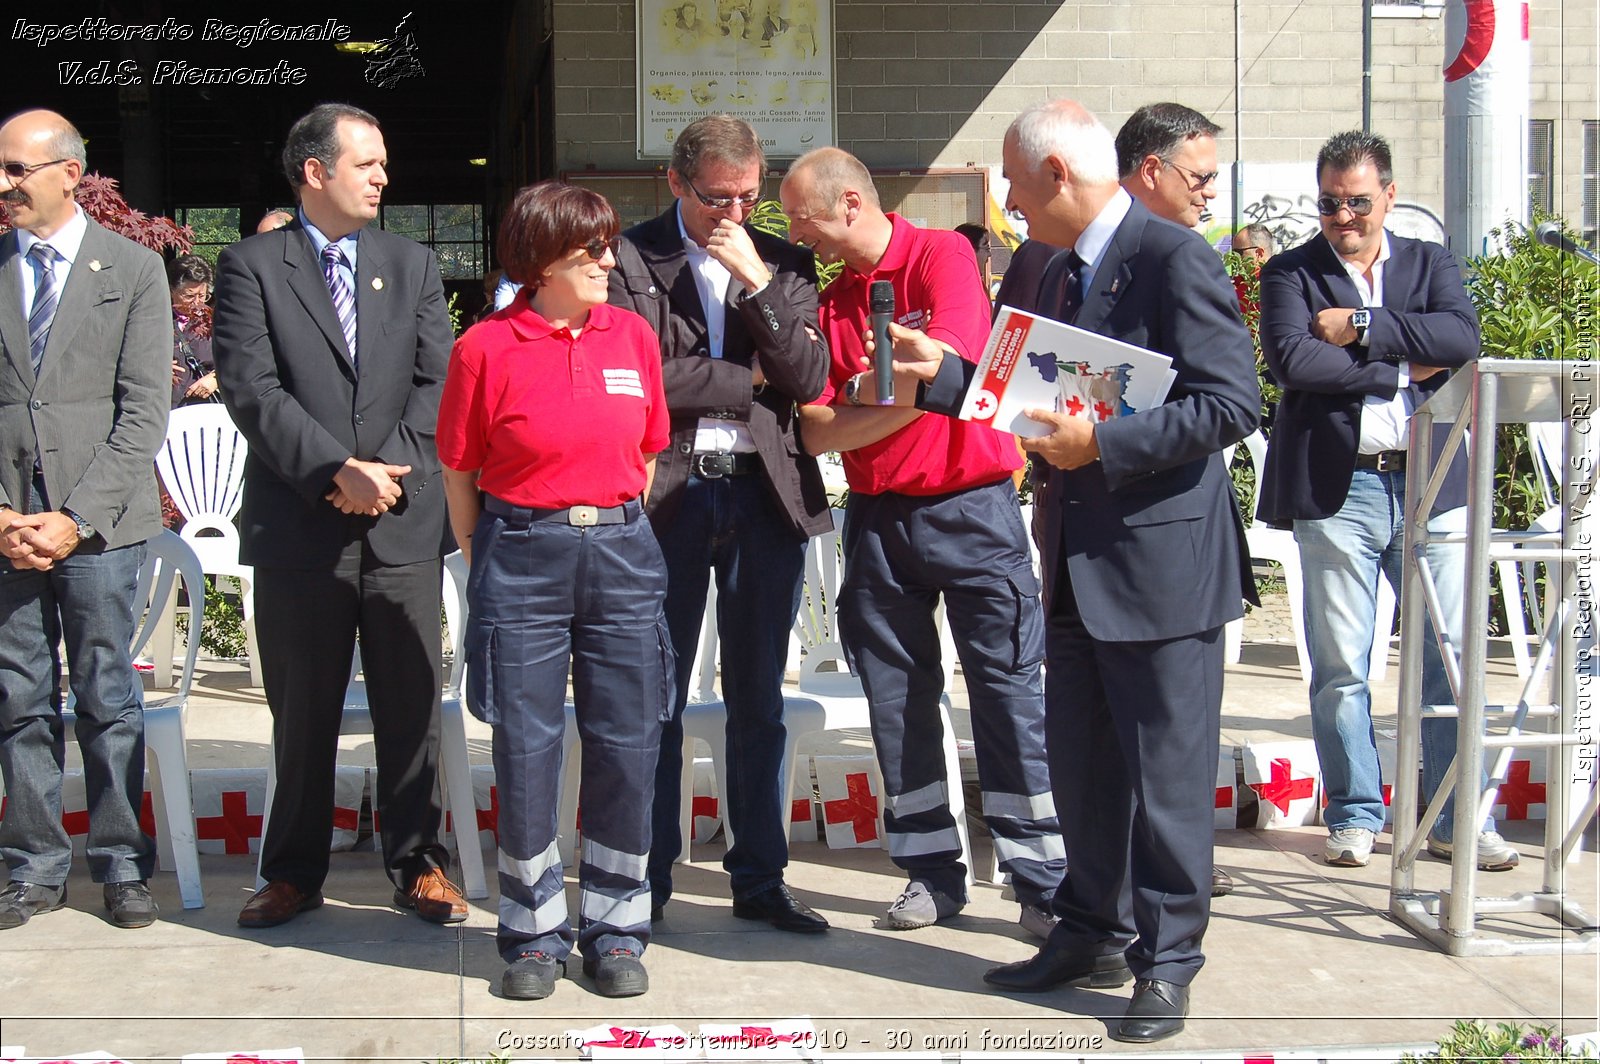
x: 583, y: 516
x: 1387, y: 462
x: 713, y: 465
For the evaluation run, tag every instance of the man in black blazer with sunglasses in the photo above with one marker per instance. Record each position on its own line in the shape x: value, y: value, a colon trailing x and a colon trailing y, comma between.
x: 1361, y: 327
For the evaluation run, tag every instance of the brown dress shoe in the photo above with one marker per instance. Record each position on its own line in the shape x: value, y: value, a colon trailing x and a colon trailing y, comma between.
x: 277, y: 903
x: 434, y: 897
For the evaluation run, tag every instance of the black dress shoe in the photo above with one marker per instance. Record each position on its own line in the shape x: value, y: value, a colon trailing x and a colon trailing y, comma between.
x: 780, y: 909
x: 1052, y: 967
x: 1221, y: 883
x: 1156, y: 1012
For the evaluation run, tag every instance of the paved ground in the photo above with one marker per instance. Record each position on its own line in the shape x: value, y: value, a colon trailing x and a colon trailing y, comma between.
x: 1300, y: 955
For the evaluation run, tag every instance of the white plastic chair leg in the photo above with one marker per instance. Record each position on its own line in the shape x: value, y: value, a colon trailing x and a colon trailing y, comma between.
x: 1233, y: 641
x: 456, y: 778
x: 174, y: 805
x: 1294, y: 582
x: 266, y: 810
x: 1383, y: 625
x: 247, y: 607
x: 958, y: 798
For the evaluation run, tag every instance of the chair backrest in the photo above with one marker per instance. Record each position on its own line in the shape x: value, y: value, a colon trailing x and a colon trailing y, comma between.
x: 169, y: 559
x: 202, y: 464
x: 816, y: 624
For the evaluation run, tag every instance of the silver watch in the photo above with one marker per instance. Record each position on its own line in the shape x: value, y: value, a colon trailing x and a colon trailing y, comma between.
x: 85, y: 529
x: 852, y: 390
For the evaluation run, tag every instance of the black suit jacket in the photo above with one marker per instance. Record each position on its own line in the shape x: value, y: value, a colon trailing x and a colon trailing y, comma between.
x: 1150, y: 534
x: 287, y: 380
x: 777, y: 326
x: 1426, y: 318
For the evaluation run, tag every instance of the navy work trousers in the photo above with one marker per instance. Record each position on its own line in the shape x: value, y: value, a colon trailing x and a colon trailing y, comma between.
x: 544, y: 593
x: 901, y: 554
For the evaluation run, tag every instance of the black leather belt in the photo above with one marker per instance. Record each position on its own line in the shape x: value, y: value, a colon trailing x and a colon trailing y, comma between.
x: 1383, y: 461
x: 577, y: 516
x: 710, y: 466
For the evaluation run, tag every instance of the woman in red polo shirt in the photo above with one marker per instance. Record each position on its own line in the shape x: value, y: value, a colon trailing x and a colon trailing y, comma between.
x: 551, y: 419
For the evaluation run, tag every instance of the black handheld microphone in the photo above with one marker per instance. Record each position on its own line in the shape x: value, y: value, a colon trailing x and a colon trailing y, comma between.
x: 1550, y: 234
x: 881, y: 302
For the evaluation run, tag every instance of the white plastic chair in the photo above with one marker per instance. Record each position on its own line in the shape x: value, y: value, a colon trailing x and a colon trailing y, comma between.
x: 1547, y: 439
x: 455, y: 770
x: 169, y: 559
x: 826, y: 698
x: 202, y: 467
x: 1278, y: 545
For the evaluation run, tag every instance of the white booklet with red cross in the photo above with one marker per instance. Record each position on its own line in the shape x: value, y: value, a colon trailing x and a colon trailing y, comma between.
x: 1032, y: 361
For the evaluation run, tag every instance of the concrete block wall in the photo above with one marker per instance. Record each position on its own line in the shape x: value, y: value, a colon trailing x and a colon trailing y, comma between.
x: 922, y: 83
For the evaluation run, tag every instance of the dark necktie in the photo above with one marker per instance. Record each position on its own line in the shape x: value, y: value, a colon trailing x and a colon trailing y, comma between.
x: 46, y: 294
x: 1072, y: 283
x: 344, y: 301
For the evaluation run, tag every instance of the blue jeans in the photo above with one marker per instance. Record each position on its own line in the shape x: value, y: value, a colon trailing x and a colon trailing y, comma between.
x: 1342, y: 556
x: 86, y: 599
x: 732, y: 526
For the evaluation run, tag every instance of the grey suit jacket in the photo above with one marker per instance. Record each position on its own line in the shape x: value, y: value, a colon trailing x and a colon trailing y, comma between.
x: 287, y: 380
x: 97, y: 413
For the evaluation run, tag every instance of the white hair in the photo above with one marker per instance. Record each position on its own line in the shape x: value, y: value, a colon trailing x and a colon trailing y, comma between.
x: 1066, y: 128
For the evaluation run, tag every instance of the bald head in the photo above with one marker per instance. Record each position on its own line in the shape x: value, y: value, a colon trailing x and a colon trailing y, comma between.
x: 834, y: 210
x: 52, y: 152
x: 273, y: 220
x: 827, y: 173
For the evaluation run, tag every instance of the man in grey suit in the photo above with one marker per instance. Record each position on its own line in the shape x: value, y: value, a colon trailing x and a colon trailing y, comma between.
x: 86, y: 326
x: 331, y: 341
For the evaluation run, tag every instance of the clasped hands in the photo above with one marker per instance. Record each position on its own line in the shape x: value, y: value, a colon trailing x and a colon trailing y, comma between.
x: 367, y: 488
x: 37, y: 541
x: 1070, y: 443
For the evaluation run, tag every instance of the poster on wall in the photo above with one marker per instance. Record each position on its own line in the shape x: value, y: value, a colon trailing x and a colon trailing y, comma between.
x: 769, y: 62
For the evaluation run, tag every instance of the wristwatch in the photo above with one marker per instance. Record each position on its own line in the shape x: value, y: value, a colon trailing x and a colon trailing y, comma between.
x: 852, y: 390
x: 1359, y: 320
x: 85, y: 529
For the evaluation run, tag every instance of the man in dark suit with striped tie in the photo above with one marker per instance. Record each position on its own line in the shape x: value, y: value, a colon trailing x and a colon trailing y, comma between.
x: 86, y: 328
x: 331, y: 341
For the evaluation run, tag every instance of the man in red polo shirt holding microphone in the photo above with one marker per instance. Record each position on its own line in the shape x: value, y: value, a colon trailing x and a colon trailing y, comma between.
x: 933, y: 512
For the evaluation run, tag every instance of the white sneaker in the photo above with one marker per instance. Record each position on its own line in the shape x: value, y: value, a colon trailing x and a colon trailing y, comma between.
x: 918, y: 906
x: 1495, y: 854
x: 1349, y: 847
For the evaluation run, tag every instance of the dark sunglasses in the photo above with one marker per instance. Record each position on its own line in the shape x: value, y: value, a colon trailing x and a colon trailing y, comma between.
x: 18, y: 172
x: 1360, y: 206
x: 596, y: 249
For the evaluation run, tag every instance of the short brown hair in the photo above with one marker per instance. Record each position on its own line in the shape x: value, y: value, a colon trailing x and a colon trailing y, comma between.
x: 716, y: 139
x: 548, y: 220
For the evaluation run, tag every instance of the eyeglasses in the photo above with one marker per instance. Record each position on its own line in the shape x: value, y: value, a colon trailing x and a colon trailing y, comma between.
x: 1197, y: 181
x: 1360, y: 206
x: 596, y: 249
x: 18, y: 172
x: 721, y: 203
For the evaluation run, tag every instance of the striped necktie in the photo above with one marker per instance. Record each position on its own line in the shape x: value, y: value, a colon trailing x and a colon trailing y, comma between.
x: 46, y: 294
x: 344, y: 301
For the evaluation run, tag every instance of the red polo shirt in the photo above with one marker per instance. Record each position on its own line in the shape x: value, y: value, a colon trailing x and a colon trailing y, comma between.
x: 551, y: 420
x: 936, y: 289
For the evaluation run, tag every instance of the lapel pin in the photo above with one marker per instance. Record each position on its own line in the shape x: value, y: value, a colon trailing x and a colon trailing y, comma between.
x: 377, y: 284
x: 94, y: 264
